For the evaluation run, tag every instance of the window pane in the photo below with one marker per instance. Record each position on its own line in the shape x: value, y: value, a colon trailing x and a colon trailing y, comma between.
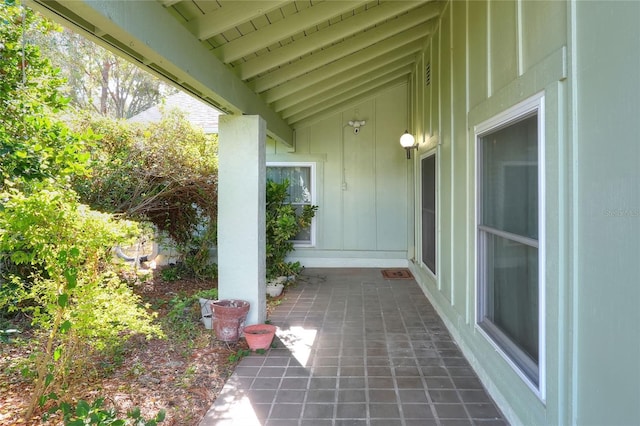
x: 305, y: 233
x: 429, y: 212
x: 299, y: 193
x: 299, y: 182
x: 510, y: 178
x: 508, y: 276
x: 511, y: 297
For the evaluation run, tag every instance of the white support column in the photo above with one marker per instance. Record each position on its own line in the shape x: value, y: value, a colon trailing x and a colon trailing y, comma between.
x: 241, y: 212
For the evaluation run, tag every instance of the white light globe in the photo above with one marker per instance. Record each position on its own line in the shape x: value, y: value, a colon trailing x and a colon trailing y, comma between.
x: 407, y: 140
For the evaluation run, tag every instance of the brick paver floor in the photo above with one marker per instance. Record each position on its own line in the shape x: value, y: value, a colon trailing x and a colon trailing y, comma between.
x: 355, y: 348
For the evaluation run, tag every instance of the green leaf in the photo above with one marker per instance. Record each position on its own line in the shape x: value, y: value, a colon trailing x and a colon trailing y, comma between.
x: 42, y: 400
x: 65, y: 407
x: 161, y: 416
x: 77, y: 422
x: 63, y: 299
x: 74, y: 252
x: 82, y: 409
x: 71, y: 275
x: 19, y: 257
x: 65, y: 326
x: 57, y: 353
x: 134, y: 413
x: 48, y: 379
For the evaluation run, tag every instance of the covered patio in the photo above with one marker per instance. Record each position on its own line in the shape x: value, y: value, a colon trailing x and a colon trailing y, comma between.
x: 355, y: 348
x: 520, y: 189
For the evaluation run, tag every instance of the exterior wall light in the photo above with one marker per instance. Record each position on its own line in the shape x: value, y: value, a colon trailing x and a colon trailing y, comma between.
x: 356, y: 125
x: 407, y: 141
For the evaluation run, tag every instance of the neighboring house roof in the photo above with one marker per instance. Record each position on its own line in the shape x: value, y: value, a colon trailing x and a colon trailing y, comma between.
x: 197, y: 112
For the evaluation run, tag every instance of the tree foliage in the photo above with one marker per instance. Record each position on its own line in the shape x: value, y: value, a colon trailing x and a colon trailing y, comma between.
x: 70, y: 293
x: 32, y: 144
x: 54, y: 250
x: 98, y: 80
x: 165, y: 172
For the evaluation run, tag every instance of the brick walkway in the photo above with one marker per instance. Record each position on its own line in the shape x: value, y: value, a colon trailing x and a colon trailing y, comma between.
x: 355, y: 349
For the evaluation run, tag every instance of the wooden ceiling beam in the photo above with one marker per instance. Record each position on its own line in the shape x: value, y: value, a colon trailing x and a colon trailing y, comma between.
x: 338, y: 31
x: 400, y: 43
x: 230, y: 15
x: 371, y: 69
x: 284, y: 28
x: 169, y: 3
x: 145, y: 29
x: 349, y: 97
x: 409, y: 24
x: 349, y: 84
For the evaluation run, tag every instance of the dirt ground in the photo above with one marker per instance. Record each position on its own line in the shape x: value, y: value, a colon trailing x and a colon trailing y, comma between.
x: 182, y: 376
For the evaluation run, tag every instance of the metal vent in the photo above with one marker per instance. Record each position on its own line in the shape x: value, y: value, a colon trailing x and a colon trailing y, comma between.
x: 427, y: 74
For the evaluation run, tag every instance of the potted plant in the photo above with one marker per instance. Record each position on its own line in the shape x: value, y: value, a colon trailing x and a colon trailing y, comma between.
x: 283, y: 223
x: 228, y: 318
x: 275, y: 286
x: 259, y: 336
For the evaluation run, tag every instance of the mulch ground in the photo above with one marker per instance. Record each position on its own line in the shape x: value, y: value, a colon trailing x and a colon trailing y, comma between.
x: 181, y: 376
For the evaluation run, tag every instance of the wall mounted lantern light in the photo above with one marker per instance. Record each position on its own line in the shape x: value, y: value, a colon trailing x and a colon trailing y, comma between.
x: 408, y: 143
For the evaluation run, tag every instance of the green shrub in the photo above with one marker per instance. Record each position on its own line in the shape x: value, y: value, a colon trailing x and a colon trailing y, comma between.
x: 33, y: 145
x: 95, y: 413
x: 55, y: 252
x: 282, y: 224
x: 165, y: 173
x: 71, y: 292
x: 184, y: 312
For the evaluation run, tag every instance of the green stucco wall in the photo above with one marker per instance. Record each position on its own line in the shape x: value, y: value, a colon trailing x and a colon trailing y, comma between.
x: 362, y: 184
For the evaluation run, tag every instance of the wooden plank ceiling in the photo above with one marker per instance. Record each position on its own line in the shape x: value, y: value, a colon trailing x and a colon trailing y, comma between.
x: 306, y: 58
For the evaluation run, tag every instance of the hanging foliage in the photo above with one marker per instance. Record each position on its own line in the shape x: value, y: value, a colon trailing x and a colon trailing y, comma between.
x: 164, y: 172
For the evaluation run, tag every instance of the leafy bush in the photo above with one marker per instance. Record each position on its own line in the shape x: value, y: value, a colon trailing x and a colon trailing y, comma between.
x: 54, y: 251
x: 165, y: 173
x: 84, y: 413
x: 184, y: 312
x: 70, y: 292
x: 282, y: 224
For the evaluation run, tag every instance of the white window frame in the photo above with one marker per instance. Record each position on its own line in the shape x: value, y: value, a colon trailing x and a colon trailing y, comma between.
x: 534, y: 104
x: 312, y: 176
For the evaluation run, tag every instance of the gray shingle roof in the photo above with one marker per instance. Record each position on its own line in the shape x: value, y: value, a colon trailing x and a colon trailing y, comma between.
x: 197, y: 112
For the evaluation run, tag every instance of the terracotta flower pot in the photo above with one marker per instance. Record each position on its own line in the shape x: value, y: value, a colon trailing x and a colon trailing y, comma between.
x: 259, y: 336
x: 228, y: 317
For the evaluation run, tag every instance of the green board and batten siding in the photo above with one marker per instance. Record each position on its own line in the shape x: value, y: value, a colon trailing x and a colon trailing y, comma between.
x: 484, y: 58
x: 362, y: 181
